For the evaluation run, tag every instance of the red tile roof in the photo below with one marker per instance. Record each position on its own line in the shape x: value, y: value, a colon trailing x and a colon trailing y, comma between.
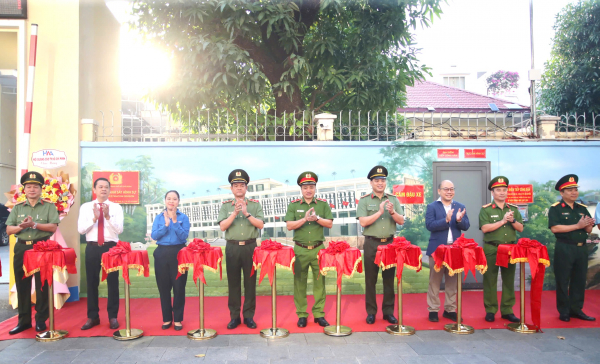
x: 451, y: 99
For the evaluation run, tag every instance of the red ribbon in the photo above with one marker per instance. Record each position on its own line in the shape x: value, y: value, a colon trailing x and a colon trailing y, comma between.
x: 537, y: 256
x: 468, y: 247
x: 122, y: 255
x: 463, y: 255
x: 43, y: 257
x: 339, y: 255
x: 402, y: 252
x: 200, y: 254
x: 268, y: 261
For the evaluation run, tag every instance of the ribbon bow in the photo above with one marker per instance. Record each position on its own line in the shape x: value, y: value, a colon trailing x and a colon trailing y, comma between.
x: 402, y: 248
x: 198, y: 245
x: 269, y: 261
x: 468, y: 247
x: 119, y: 257
x: 45, y: 261
x: 337, y: 249
x: 202, y: 255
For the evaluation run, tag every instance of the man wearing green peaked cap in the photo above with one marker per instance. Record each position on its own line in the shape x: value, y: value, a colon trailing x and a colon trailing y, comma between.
x: 307, y: 217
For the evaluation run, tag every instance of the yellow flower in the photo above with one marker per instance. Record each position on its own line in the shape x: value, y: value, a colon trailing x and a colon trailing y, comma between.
x: 53, y: 181
x: 65, y: 198
x: 54, y: 198
x: 21, y: 198
x: 45, y: 195
x: 64, y: 204
x: 63, y: 187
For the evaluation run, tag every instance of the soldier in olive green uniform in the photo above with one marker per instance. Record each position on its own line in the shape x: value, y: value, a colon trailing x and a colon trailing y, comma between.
x: 499, y: 222
x: 31, y: 221
x: 241, y: 219
x: 379, y: 212
x: 571, y: 223
x: 307, y: 216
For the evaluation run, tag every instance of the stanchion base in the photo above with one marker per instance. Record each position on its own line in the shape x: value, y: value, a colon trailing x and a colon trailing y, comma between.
x: 459, y: 329
x: 122, y: 335
x: 51, y: 335
x: 400, y: 330
x: 521, y: 328
x: 333, y: 330
x: 199, y: 334
x: 274, y: 333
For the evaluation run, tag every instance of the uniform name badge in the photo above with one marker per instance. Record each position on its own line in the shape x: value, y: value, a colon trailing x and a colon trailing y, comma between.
x: 299, y: 210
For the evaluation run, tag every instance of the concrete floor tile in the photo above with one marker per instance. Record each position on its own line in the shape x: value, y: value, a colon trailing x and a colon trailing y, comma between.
x: 322, y: 339
x: 468, y: 359
x: 177, y: 355
x: 472, y: 347
x: 218, y: 341
x: 394, y: 349
x: 352, y: 350
x: 381, y: 359
x: 170, y: 342
x: 98, y: 356
x: 247, y: 340
x: 388, y: 338
x: 293, y: 339
x: 55, y: 356
x: 364, y: 338
x: 433, y: 348
x: 226, y: 353
x: 295, y: 361
x: 310, y: 351
x: 141, y: 354
x: 269, y: 352
x: 337, y: 360
x: 427, y: 359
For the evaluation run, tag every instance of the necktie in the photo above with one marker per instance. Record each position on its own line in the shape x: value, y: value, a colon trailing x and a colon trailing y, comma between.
x: 101, y: 227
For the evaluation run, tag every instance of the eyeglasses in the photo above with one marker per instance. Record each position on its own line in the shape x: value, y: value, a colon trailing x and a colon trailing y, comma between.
x: 448, y: 189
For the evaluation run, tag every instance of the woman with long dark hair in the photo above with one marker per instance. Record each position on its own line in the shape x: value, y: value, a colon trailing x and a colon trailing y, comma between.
x: 170, y: 230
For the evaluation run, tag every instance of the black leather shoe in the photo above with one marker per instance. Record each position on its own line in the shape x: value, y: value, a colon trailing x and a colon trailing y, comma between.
x: 433, y: 317
x: 234, y: 323
x: 90, y: 323
x: 178, y: 327
x: 391, y: 319
x: 302, y: 322
x: 166, y: 326
x: 250, y: 323
x: 565, y: 318
x: 19, y: 328
x: 450, y: 315
x: 113, y: 323
x: 370, y: 319
x: 321, y: 321
x: 489, y: 317
x: 583, y: 316
x: 511, y: 317
x: 40, y: 326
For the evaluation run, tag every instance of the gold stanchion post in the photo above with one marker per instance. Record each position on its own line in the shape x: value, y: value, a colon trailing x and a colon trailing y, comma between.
x: 51, y: 335
x: 338, y: 329
x: 128, y: 333
x: 400, y: 329
x: 522, y: 327
x: 458, y: 327
x: 274, y: 332
x: 201, y: 333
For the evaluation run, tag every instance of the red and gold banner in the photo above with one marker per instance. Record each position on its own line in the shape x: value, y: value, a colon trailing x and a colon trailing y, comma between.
x: 475, y: 153
x: 51, y: 260
x: 532, y: 251
x: 124, y: 186
x: 447, y: 153
x: 410, y: 194
x: 271, y: 254
x: 199, y: 255
x: 401, y: 253
x: 121, y: 257
x: 340, y: 257
x: 464, y: 255
x: 520, y: 194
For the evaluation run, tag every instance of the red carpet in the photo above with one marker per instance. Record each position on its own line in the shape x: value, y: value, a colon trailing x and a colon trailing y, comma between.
x: 147, y: 317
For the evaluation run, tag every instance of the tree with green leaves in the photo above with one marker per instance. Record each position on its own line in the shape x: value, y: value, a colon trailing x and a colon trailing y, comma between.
x: 282, y: 56
x: 571, y: 82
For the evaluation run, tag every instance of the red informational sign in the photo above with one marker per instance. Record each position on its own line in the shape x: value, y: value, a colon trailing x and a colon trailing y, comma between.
x: 474, y: 153
x: 520, y: 194
x: 447, y: 153
x: 410, y: 194
x: 124, y: 186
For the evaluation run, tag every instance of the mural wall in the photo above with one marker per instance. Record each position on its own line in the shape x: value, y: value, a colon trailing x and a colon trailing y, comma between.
x: 199, y: 172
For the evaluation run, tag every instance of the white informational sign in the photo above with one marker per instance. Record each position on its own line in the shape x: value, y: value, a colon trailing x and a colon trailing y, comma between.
x: 49, y: 158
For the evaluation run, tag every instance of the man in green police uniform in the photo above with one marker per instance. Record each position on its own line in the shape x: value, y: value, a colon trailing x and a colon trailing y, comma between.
x: 571, y: 223
x: 31, y: 221
x: 241, y: 219
x: 378, y: 213
x: 499, y: 221
x: 307, y: 216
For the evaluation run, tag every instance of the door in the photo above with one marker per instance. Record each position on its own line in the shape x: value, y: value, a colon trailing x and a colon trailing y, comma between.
x: 470, y: 182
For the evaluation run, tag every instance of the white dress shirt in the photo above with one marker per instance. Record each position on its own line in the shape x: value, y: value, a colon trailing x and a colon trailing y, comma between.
x: 112, y: 227
x: 447, y: 208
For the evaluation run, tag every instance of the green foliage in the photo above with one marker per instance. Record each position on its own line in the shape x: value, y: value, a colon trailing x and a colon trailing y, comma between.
x: 571, y: 82
x: 415, y: 231
x: 134, y: 226
x: 273, y: 56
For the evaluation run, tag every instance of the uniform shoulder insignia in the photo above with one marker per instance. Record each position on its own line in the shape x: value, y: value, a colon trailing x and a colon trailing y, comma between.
x: 227, y: 201
x: 322, y: 200
x: 488, y: 205
x: 512, y: 204
x: 296, y: 200
x: 556, y: 203
x: 363, y: 196
x: 580, y: 204
x: 47, y: 200
x: 18, y: 203
x: 253, y: 200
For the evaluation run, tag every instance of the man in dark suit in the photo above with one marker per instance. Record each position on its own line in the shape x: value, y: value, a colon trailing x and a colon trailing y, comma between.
x: 445, y: 218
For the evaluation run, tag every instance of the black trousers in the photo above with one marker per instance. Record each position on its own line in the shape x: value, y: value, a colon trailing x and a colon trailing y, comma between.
x: 371, y: 273
x: 165, y: 269
x: 24, y: 289
x: 570, y: 271
x: 238, y: 260
x: 93, y: 264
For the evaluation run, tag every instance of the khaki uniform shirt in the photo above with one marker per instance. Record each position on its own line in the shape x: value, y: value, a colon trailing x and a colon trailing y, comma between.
x: 492, y: 213
x: 562, y: 214
x: 43, y: 212
x: 385, y: 226
x: 241, y: 228
x: 311, y: 233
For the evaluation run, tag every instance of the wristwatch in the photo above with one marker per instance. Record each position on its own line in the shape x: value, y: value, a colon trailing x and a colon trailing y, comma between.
x: 248, y: 216
x: 34, y: 226
x: 318, y: 218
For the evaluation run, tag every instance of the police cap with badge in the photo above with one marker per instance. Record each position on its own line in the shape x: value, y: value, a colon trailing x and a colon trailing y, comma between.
x: 499, y: 181
x: 238, y: 176
x: 568, y: 181
x: 307, y: 178
x: 32, y: 177
x: 377, y: 172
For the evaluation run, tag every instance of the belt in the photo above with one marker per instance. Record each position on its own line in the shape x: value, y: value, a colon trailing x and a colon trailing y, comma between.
x: 106, y: 242
x: 570, y: 242
x: 309, y: 247
x: 496, y: 244
x: 241, y: 242
x: 29, y: 242
x: 380, y: 240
